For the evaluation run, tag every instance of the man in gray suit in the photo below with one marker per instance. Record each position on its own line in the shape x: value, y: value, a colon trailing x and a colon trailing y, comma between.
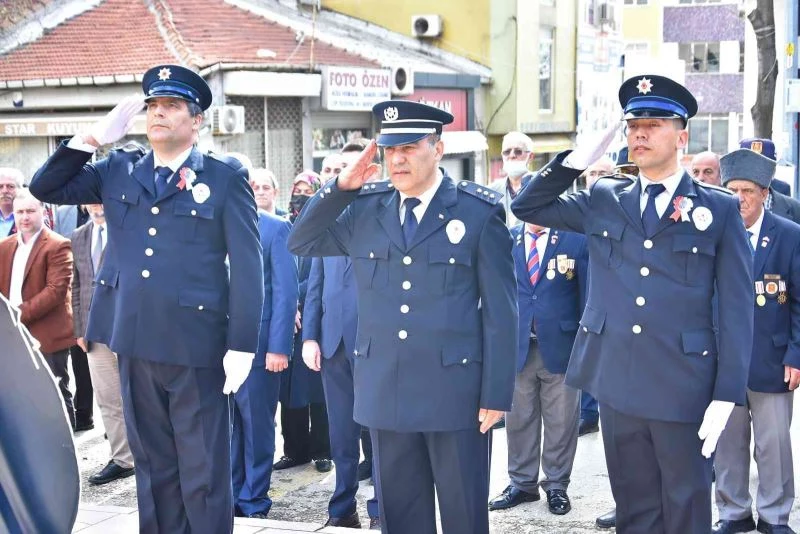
x: 68, y: 218
x: 88, y: 247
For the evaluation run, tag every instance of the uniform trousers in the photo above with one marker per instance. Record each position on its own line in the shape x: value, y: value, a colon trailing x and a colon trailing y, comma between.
x: 178, y: 429
x: 345, y: 433
x: 589, y: 407
x: 660, y: 480
x: 84, y: 402
x: 104, y: 371
x: 770, y: 415
x: 541, y: 397
x: 410, y: 465
x: 58, y: 361
x: 305, y: 431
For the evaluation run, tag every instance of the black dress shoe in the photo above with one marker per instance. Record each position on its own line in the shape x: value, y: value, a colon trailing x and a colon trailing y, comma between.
x: 374, y: 523
x: 83, y: 426
x: 558, y: 501
x: 608, y: 520
x: 110, y: 473
x: 731, y: 526
x: 258, y: 515
x: 285, y: 463
x: 323, y: 465
x: 587, y: 427
x: 364, y: 470
x: 511, y: 497
x: 351, y: 521
x: 769, y: 528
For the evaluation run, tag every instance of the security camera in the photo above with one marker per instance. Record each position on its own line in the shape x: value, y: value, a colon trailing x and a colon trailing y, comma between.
x: 16, y: 99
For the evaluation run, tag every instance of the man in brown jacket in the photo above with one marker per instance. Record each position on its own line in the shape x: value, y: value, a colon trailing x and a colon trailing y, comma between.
x: 36, y: 277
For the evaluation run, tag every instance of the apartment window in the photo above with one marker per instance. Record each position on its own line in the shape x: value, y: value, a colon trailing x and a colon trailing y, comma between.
x: 635, y: 2
x: 700, y: 57
x: 546, y: 69
x: 708, y: 132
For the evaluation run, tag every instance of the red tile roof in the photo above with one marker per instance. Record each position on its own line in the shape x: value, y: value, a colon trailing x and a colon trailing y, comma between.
x: 122, y: 37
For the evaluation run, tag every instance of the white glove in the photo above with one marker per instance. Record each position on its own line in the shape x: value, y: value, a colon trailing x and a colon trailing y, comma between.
x: 588, y: 153
x: 714, y: 421
x: 311, y: 354
x: 237, y: 366
x: 118, y: 121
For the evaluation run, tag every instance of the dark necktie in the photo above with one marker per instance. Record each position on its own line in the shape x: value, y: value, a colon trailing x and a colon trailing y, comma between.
x: 162, y: 175
x: 97, y: 250
x: 410, y: 220
x: 650, y: 216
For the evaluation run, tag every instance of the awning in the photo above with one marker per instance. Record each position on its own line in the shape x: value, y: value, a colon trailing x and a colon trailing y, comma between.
x: 463, y: 142
x: 551, y: 143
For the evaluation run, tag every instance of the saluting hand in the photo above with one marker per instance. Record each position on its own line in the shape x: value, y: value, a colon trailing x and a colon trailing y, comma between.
x: 791, y: 376
x: 587, y: 153
x: 354, y: 176
x: 116, y: 123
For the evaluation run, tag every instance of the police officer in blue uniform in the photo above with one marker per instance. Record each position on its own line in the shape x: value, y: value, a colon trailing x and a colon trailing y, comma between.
x: 253, y: 435
x: 437, y: 331
x: 659, y: 248
x: 774, y: 365
x: 552, y: 275
x: 184, y: 329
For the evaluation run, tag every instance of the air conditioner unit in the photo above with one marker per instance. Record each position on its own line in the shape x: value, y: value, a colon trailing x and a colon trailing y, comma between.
x: 227, y: 120
x: 402, y: 80
x: 426, y: 25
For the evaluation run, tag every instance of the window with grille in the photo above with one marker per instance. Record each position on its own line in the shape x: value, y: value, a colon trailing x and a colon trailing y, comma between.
x: 284, y: 143
x: 24, y: 153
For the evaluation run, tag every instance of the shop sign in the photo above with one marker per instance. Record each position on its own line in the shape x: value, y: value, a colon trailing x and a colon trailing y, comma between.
x: 453, y: 101
x: 354, y: 89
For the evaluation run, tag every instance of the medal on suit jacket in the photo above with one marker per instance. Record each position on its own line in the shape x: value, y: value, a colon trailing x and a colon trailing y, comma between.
x: 551, y: 269
x: 782, y: 298
x: 761, y: 300
x: 570, y: 274
x: 561, y: 260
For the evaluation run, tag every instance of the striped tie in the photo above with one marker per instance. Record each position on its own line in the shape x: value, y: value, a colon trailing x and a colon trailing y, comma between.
x: 533, y: 258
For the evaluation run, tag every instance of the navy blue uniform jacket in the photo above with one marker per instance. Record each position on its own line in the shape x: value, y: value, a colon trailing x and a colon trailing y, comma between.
x: 647, y: 345
x: 776, y: 339
x: 553, y: 305
x: 437, y: 319
x: 163, y: 293
x: 331, y: 312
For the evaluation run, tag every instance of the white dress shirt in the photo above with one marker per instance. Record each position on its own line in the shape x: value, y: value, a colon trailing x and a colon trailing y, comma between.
x: 21, y: 256
x: 424, y: 199
x: 173, y: 164
x: 662, y: 200
x: 755, y: 230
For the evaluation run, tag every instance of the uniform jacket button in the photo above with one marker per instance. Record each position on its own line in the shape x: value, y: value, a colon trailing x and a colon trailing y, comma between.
x: 407, y: 260
x: 406, y: 285
x: 154, y: 210
x: 200, y: 307
x: 644, y: 271
x: 145, y: 274
x: 648, y: 244
x: 152, y: 231
x: 402, y: 334
x: 637, y: 329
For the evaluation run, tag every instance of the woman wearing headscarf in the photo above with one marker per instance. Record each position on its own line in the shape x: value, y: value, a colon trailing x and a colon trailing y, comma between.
x: 304, y: 419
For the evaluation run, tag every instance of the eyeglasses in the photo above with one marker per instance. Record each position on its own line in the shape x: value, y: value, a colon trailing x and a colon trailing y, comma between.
x: 516, y: 151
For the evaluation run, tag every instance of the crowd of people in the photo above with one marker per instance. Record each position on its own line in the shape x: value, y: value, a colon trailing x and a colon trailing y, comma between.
x: 406, y: 318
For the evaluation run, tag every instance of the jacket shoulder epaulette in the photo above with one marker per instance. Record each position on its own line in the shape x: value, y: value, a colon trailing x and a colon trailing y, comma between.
x: 371, y: 188
x: 711, y: 186
x: 230, y: 161
x: 131, y: 147
x: 482, y: 192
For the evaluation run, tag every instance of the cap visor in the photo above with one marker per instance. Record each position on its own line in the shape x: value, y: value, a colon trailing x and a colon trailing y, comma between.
x: 400, y: 139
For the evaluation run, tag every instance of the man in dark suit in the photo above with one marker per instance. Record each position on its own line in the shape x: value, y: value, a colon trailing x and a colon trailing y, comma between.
x: 552, y: 275
x: 253, y: 444
x: 36, y: 277
x: 329, y: 336
x: 774, y: 364
x: 434, y: 354
x: 184, y: 325
x: 659, y: 249
x: 88, y: 247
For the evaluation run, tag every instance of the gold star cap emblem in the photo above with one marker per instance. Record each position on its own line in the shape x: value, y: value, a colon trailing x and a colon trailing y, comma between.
x: 164, y: 74
x: 644, y: 86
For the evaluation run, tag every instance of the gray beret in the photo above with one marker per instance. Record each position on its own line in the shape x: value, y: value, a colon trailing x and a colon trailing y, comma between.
x: 745, y: 164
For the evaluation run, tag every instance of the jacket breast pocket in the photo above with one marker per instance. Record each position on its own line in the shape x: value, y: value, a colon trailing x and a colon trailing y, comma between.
x: 117, y: 204
x: 695, y: 257
x: 450, y: 270
x: 605, y: 241
x: 188, y: 216
x: 371, y: 264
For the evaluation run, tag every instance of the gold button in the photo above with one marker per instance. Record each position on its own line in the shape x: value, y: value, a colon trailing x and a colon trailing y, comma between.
x: 407, y: 260
x: 404, y: 308
x: 154, y: 210
x: 648, y: 244
x: 637, y: 329
x: 148, y: 252
x: 402, y: 334
x: 640, y: 301
x: 152, y: 231
x: 406, y: 285
x: 644, y: 271
x: 145, y: 274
